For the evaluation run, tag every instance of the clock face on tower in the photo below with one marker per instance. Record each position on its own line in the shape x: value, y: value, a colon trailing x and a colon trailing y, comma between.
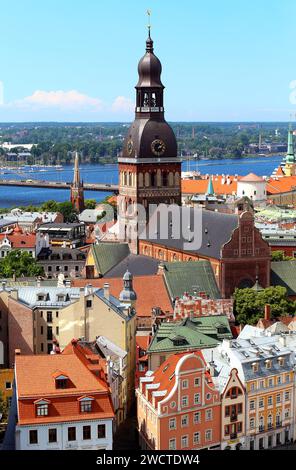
x: 130, y: 147
x: 158, y: 147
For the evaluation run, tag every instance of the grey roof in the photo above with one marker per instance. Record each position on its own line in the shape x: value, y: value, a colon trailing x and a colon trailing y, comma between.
x: 283, y: 273
x: 29, y: 295
x: 109, y: 349
x: 138, y: 265
x: 214, y: 228
x: 115, y: 304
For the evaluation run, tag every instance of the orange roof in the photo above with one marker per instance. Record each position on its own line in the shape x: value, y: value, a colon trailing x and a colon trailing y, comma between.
x: 20, y: 240
x: 35, y: 378
x: 36, y: 375
x: 281, y: 185
x: 165, y: 374
x: 251, y: 177
x: 151, y: 291
x: 280, y: 172
x: 143, y: 341
x: 219, y: 183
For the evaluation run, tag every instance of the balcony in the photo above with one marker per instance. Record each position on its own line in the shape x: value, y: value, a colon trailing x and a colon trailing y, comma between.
x: 233, y: 435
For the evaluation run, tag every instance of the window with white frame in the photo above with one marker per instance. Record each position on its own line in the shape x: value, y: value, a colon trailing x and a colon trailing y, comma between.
x: 184, y: 384
x: 209, y: 415
x: 184, y: 421
x: 184, y: 442
x: 261, y: 402
x: 252, y: 405
x: 208, y: 435
x: 42, y: 409
x: 278, y: 419
x: 196, y: 438
x: 185, y: 400
x: 269, y: 400
x: 252, y: 423
x: 270, y: 382
x: 270, y: 421
x: 197, y: 398
x: 279, y: 380
x: 287, y: 396
x: 172, y: 444
x: 196, y: 417
x: 196, y: 381
x: 172, y: 424
x: 287, y: 413
x: 287, y: 378
x: 278, y: 398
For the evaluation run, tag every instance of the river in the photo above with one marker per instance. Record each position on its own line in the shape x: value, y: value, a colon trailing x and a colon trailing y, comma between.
x: 96, y: 173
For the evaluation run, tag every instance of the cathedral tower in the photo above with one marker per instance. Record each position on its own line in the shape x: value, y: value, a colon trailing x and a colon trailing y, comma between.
x: 77, y: 192
x: 149, y: 169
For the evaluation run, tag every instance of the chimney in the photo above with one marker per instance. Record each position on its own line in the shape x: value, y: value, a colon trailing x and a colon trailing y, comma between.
x: 267, y: 312
x: 106, y: 291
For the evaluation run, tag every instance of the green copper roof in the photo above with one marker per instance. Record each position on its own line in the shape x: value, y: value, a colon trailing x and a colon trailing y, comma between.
x: 200, y: 332
x: 290, y: 157
x: 210, y: 189
x: 283, y: 273
x: 108, y: 254
x: 191, y: 276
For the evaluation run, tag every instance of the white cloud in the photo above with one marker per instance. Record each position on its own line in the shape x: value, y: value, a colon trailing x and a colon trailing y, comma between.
x: 63, y: 100
x: 122, y: 104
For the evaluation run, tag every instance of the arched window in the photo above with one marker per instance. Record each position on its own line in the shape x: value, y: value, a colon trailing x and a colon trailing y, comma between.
x: 141, y: 180
x: 147, y: 179
x: 171, y: 178
x: 177, y: 178
x: 160, y: 254
x: 153, y: 178
x: 164, y: 178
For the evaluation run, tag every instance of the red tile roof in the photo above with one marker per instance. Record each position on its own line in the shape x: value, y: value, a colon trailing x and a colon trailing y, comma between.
x: 281, y: 185
x: 35, y: 378
x: 251, y: 177
x: 200, y: 186
x: 151, y: 291
x: 143, y: 341
x: 20, y: 240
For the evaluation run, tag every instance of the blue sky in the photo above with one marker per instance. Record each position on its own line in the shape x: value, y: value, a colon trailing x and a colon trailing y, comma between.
x: 223, y: 60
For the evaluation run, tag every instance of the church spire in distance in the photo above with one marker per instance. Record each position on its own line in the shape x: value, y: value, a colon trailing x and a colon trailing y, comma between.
x: 77, y: 193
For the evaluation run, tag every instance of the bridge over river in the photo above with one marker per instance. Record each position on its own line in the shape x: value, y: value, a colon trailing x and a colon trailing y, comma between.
x: 58, y: 185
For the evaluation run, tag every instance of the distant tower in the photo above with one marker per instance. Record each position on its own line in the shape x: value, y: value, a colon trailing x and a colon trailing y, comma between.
x: 128, y: 295
x: 290, y: 167
x: 210, y: 189
x: 77, y: 193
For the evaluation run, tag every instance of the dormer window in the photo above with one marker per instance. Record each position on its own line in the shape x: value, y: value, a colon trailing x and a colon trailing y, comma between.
x: 268, y: 364
x: 62, y: 381
x: 281, y: 361
x: 86, y: 404
x: 42, y: 407
x: 255, y: 366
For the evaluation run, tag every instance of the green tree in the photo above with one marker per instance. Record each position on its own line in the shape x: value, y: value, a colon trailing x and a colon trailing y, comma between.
x: 19, y: 263
x: 49, y: 206
x: 249, y: 304
x: 68, y: 211
x: 279, y: 255
x: 90, y: 203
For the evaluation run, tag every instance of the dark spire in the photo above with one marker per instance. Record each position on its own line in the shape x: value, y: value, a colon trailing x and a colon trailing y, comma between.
x: 149, y: 42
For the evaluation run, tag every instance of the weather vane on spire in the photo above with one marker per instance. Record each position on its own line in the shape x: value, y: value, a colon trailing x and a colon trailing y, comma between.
x: 149, y: 24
